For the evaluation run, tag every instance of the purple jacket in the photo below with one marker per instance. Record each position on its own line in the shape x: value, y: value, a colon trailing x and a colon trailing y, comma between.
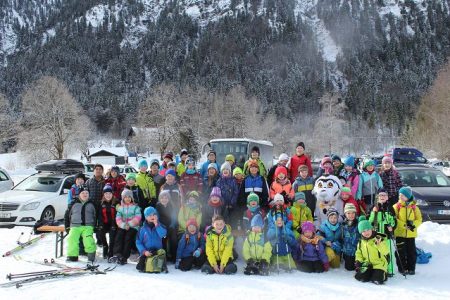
x: 310, y: 252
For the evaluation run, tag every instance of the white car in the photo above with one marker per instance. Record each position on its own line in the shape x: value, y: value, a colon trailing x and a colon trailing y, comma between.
x: 41, y: 196
x: 6, y: 182
x: 442, y: 165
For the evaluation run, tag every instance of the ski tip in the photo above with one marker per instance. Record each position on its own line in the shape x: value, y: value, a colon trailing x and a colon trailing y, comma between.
x: 6, y: 254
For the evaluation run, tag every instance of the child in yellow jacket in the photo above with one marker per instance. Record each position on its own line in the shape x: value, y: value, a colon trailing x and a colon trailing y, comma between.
x: 300, y: 213
x: 219, y: 248
x: 371, y: 254
x: 409, y: 218
x: 257, y: 251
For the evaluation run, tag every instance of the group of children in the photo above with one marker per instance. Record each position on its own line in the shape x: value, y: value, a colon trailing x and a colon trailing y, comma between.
x: 178, y: 223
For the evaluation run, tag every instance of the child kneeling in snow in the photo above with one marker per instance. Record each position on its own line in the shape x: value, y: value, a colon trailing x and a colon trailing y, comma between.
x: 219, y: 248
x: 149, y: 244
x: 331, y: 231
x: 257, y: 251
x: 191, y: 248
x: 313, y: 258
x: 371, y: 262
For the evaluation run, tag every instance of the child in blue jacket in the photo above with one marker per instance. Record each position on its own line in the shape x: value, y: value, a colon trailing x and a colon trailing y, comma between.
x: 150, y: 236
x: 330, y: 230
x: 350, y: 236
x: 191, y: 248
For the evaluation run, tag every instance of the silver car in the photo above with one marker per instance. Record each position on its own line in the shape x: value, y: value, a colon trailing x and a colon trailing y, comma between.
x: 6, y: 182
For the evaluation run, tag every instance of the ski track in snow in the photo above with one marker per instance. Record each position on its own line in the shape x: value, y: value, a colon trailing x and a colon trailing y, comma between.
x: 429, y: 283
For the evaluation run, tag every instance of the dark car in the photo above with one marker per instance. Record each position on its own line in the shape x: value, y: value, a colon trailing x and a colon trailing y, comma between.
x: 431, y: 190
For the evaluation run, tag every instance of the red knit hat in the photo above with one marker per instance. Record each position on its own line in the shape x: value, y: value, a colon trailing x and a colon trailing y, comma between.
x: 279, y: 170
x: 192, y: 221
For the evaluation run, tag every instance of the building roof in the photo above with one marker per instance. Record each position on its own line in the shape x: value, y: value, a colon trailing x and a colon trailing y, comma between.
x: 108, y: 151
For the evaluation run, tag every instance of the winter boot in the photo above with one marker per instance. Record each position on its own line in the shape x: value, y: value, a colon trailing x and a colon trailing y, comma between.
x: 91, y: 257
x: 114, y: 259
x: 264, y: 268
x: 72, y: 258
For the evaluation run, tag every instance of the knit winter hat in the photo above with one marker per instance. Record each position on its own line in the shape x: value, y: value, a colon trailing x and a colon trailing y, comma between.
x: 225, y: 166
x: 150, y: 211
x: 216, y: 192
x: 382, y: 190
x: 335, y: 157
x: 230, y: 157
x: 308, y: 227
x: 387, y: 159
x: 107, y: 189
x: 253, y: 163
x: 154, y: 162
x: 349, y: 207
x: 115, y: 169
x: 164, y: 193
x: 237, y: 171
x: 257, y: 221
x: 131, y: 176
x: 192, y: 194
x: 280, y: 170
x: 332, y: 211
x: 183, y: 152
x: 127, y: 193
x: 300, y: 144
x: 363, y: 224
x: 213, y: 166
x: 346, y: 190
x: 283, y: 156
x: 170, y: 172
x: 142, y: 163
x: 171, y: 164
x: 83, y: 188
x: 349, y: 161
x: 300, y: 195
x: 168, y: 155
x: 406, y: 190
x: 191, y: 221
x: 252, y: 197
x: 325, y: 160
x: 368, y: 163
x: 278, y: 197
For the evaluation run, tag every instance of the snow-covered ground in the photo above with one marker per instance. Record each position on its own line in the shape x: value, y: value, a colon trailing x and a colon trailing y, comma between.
x: 430, y: 282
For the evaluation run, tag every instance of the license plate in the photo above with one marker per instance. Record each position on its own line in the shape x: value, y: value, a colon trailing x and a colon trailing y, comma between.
x: 444, y: 212
x: 5, y: 215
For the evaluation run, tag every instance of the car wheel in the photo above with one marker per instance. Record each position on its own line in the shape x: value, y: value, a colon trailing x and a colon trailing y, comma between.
x: 48, y: 214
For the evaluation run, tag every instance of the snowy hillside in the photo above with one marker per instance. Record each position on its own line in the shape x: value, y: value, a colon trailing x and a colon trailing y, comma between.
x: 430, y: 281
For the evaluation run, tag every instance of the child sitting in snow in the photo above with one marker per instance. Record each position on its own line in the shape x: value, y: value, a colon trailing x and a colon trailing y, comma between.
x: 371, y: 263
x: 282, y: 239
x: 191, y: 248
x: 331, y: 232
x: 253, y: 209
x: 300, y: 213
x: 257, y: 251
x: 149, y: 244
x: 219, y: 248
x: 312, y: 257
x: 350, y: 236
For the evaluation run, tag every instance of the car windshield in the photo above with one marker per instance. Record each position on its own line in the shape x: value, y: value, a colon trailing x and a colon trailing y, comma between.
x: 424, y: 178
x: 40, y: 184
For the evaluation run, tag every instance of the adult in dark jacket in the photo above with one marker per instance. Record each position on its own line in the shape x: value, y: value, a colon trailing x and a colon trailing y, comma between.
x: 96, y: 185
x: 168, y: 216
x: 391, y: 178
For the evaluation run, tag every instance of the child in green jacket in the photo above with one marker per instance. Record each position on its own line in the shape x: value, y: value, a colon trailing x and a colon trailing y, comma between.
x: 371, y: 262
x: 382, y: 218
x: 257, y: 251
x: 300, y: 213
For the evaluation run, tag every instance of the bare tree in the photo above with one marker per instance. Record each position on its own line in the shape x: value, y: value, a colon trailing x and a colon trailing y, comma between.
x: 431, y: 130
x: 52, y: 122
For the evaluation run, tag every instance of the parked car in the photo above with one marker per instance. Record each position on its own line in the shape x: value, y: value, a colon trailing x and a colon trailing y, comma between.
x: 89, y: 169
x: 407, y: 156
x: 41, y: 196
x: 6, y: 182
x: 431, y: 188
x: 443, y: 166
x: 125, y: 169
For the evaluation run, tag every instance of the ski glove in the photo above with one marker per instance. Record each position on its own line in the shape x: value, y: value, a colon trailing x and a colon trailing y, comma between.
x: 197, y: 253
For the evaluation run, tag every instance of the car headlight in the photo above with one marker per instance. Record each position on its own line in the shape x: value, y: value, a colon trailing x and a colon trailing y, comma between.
x: 421, y: 202
x: 31, y: 206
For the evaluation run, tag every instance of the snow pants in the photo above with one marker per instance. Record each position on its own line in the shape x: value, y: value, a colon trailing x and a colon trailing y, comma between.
x: 311, y: 266
x: 408, y: 256
x: 86, y: 233
x: 333, y: 258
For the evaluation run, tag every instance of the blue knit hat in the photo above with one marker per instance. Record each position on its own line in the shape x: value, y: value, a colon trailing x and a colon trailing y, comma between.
x: 300, y: 195
x: 142, y: 163
x: 349, y: 161
x: 150, y: 211
x: 171, y: 172
x: 406, y: 190
x: 107, y: 189
x: 257, y: 221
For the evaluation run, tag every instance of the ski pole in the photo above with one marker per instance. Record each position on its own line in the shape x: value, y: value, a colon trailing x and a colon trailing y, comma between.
x: 399, y: 257
x: 30, y: 274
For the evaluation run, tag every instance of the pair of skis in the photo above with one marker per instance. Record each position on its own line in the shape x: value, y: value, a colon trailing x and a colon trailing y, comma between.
x: 63, y: 271
x: 23, y: 245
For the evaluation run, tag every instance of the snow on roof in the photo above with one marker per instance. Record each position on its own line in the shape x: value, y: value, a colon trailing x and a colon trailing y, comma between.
x: 243, y: 140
